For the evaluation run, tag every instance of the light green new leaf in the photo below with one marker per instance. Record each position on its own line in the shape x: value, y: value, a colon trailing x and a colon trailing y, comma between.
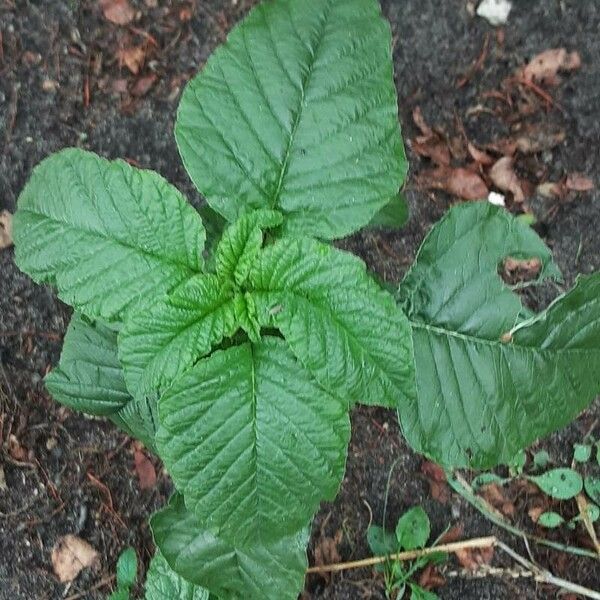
x: 483, y: 395
x: 89, y: 377
x: 106, y: 234
x: 127, y: 568
x: 240, y: 244
x: 157, y: 344
x: 297, y: 112
x: 550, y: 519
x: 259, y: 571
x: 345, y: 329
x: 252, y: 442
x: 162, y: 583
x: 413, y: 529
x: 562, y: 483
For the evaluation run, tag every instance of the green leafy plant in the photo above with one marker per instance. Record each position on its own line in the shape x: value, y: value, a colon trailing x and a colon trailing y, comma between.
x: 126, y: 575
x: 411, y: 533
x: 237, y: 355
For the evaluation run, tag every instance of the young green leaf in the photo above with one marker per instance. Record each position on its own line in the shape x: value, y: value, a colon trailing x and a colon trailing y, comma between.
x: 582, y: 452
x: 345, y: 329
x: 413, y: 529
x: 561, y: 483
x: 541, y: 459
x: 158, y: 344
x: 162, y: 583
x: 550, y: 519
x: 592, y: 487
x: 252, y: 442
x: 380, y: 541
x: 105, y: 234
x: 478, y: 377
x: 127, y: 568
x: 258, y: 571
x: 297, y: 112
x: 89, y: 377
x: 419, y: 593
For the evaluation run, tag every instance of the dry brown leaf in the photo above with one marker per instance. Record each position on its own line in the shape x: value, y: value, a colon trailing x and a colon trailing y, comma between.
x: 5, y: 229
x: 521, y: 269
x: 552, y: 189
x: 145, y: 470
x: 535, y: 512
x: 545, y: 66
x: 431, y: 578
x: 471, y: 558
x: 438, y: 488
x: 133, y: 58
x: 16, y: 450
x: 460, y: 182
x: 70, y: 556
x: 142, y: 86
x: 505, y: 178
x: 326, y: 551
x: 453, y: 534
x: 494, y: 495
x: 479, y: 156
x: 3, y: 486
x: 432, y: 147
x: 419, y: 120
x: 118, y: 12
x: 577, y: 182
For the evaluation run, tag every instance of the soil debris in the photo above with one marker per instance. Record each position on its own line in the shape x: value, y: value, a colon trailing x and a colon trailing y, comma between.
x: 118, y: 12
x: 5, y: 229
x: 71, y: 555
x: 544, y: 67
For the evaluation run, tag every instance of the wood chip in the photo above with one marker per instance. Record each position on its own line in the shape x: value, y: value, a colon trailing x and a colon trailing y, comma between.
x: 133, y: 58
x: 71, y: 555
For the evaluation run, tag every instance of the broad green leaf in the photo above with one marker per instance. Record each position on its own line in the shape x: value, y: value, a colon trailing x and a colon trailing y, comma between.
x: 345, y: 329
x: 89, y: 377
x: 592, y: 487
x: 105, y: 234
x: 562, y: 484
x: 582, y: 452
x: 419, y: 593
x: 158, y: 344
x: 478, y: 376
x: 127, y: 568
x: 252, y: 442
x: 380, y: 541
x: 297, y: 112
x: 162, y: 583
x: 550, y: 519
x: 395, y: 214
x: 413, y: 529
x: 259, y: 571
x: 241, y: 243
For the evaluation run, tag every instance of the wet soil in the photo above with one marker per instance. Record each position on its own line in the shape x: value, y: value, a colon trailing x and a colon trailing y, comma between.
x: 61, y: 85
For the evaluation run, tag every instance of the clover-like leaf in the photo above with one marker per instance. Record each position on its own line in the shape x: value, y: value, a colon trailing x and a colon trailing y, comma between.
x: 345, y: 329
x: 252, y: 442
x: 106, y: 234
x: 413, y: 528
x: 162, y: 583
x: 297, y: 112
x: 488, y: 382
x: 259, y: 571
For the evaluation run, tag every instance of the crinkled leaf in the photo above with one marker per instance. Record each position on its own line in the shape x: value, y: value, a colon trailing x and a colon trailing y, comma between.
x: 297, y: 112
x: 345, y: 329
x: 159, y: 343
x: 138, y: 418
x: 412, y: 530
x: 259, y: 571
x: 89, y: 377
x: 162, y: 583
x: 106, y: 234
x: 479, y: 394
x: 241, y: 243
x: 252, y: 442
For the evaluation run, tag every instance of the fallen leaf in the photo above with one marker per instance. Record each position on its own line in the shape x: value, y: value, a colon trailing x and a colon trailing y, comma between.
x: 519, y: 269
x: 453, y: 534
x: 505, y: 178
x: 5, y: 229
x: 535, y: 513
x: 145, y: 470
x: 538, y: 139
x: 479, y: 156
x: 133, y: 58
x: 577, y: 182
x: 419, y: 120
x: 552, y: 189
x: 472, y: 558
x: 326, y: 551
x: 460, y: 182
x: 436, y: 477
x: 71, y: 555
x: 431, y: 578
x: 432, y: 147
x: 118, y: 12
x: 494, y: 495
x: 545, y: 66
x: 15, y: 449
x: 143, y: 84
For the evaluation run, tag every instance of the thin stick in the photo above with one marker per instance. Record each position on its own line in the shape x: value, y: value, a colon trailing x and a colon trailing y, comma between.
x: 483, y: 542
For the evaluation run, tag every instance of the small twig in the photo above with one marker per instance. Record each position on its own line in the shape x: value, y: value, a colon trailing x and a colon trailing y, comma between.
x: 483, y: 542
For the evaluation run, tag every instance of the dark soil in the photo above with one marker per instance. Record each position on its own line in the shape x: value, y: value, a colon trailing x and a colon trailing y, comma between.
x: 60, y: 85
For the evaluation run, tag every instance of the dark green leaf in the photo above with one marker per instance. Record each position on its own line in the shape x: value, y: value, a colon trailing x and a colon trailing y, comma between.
x: 252, y: 442
x: 394, y: 215
x: 478, y: 376
x: 413, y: 529
x: 105, y: 234
x: 345, y: 329
x: 273, y: 571
x: 297, y: 112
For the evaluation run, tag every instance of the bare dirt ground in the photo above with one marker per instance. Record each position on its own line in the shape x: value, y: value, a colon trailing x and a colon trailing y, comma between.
x: 67, y: 79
